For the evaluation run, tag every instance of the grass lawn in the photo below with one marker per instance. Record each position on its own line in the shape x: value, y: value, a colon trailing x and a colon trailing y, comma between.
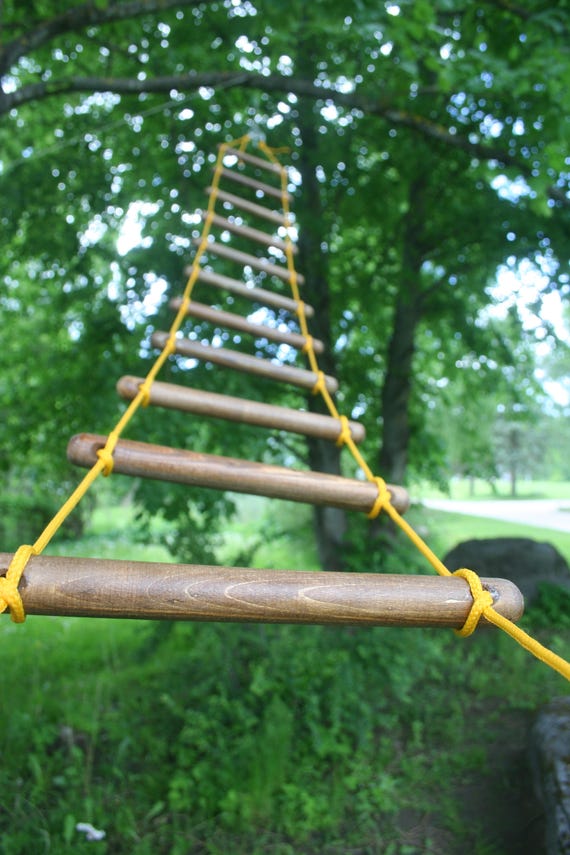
x: 479, y: 489
x: 198, y: 738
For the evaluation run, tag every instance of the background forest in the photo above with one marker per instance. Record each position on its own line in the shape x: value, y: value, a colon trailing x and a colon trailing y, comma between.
x: 430, y: 166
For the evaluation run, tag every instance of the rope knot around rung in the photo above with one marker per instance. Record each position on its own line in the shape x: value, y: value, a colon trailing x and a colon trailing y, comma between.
x: 308, y: 346
x: 382, y: 499
x: 345, y: 431
x: 144, y: 391
x: 320, y: 385
x: 107, y: 457
x: 170, y: 346
x: 9, y: 594
x: 482, y: 600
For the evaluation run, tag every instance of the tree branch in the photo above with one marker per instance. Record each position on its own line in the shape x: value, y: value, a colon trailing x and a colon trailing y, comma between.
x: 193, y: 80
x: 513, y: 8
x: 88, y: 14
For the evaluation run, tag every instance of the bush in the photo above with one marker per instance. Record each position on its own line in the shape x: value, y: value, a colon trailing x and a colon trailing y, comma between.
x: 23, y: 517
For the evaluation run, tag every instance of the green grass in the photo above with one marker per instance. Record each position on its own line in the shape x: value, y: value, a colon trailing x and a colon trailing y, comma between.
x: 112, y: 533
x: 481, y: 490
x: 180, y: 739
x: 272, y: 534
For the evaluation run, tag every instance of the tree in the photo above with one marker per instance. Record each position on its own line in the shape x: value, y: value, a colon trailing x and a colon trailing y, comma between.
x: 428, y: 104
x: 491, y: 414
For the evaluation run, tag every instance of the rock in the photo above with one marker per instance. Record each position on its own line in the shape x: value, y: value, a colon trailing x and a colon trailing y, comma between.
x: 525, y: 562
x: 550, y: 764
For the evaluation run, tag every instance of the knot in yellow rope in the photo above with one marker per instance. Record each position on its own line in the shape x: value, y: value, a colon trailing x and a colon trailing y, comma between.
x: 345, y: 432
x: 308, y: 346
x: 144, y: 389
x: 481, y: 601
x: 170, y: 346
x: 300, y: 309
x: 320, y: 384
x: 9, y: 594
x: 107, y: 457
x: 382, y: 498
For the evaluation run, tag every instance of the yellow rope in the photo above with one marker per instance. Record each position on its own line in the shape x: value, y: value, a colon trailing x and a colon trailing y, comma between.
x: 482, y: 606
x: 9, y: 584
x: 345, y: 432
x: 482, y: 600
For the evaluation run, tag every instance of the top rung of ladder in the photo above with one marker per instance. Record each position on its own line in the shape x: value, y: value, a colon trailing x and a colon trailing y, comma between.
x: 259, y: 162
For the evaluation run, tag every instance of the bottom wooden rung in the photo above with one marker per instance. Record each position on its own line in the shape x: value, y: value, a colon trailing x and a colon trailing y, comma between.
x: 92, y: 587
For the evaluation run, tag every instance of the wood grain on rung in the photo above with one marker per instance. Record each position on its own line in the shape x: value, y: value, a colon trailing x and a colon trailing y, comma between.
x: 259, y: 162
x: 91, y: 587
x: 229, y: 320
x: 267, y: 189
x: 257, y: 235
x: 281, y: 372
x: 246, y: 259
x: 251, y: 207
x: 241, y: 410
x: 256, y: 295
x: 161, y: 463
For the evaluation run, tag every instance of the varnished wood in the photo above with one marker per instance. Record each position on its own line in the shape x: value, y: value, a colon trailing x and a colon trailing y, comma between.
x: 246, y: 181
x: 161, y: 463
x: 281, y: 372
x: 256, y: 295
x: 246, y: 259
x: 251, y: 207
x: 258, y: 162
x: 241, y: 410
x: 257, y: 235
x: 229, y: 320
x: 91, y: 587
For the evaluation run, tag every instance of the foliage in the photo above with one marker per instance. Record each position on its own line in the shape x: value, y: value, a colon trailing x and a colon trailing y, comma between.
x: 552, y: 607
x: 242, y: 749
x: 430, y: 149
x: 217, y: 738
x: 26, y: 511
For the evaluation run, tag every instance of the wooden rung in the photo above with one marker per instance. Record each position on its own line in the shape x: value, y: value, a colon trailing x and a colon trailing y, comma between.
x: 161, y: 463
x: 251, y: 234
x: 239, y: 178
x: 251, y: 207
x: 91, y: 587
x: 259, y: 162
x: 238, y: 322
x: 245, y: 258
x: 256, y: 295
x: 214, y: 405
x: 283, y: 373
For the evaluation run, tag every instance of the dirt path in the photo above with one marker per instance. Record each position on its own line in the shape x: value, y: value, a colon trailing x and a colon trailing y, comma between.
x: 543, y: 513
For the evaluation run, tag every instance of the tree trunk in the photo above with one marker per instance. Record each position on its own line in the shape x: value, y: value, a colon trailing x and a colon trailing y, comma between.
x: 396, y: 391
x: 330, y: 523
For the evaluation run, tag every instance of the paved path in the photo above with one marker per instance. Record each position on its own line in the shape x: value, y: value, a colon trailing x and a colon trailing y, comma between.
x: 543, y: 513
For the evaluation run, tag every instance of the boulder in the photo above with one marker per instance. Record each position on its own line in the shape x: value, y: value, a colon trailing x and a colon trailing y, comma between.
x: 550, y: 764
x: 524, y: 561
